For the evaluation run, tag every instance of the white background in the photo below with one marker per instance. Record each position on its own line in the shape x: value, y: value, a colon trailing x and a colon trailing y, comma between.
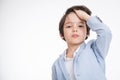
x: 30, y: 41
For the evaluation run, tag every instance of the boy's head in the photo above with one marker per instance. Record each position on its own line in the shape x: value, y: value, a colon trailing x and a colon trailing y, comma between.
x: 68, y: 11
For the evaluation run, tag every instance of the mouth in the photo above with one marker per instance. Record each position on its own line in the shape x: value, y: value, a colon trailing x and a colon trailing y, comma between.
x: 75, y: 35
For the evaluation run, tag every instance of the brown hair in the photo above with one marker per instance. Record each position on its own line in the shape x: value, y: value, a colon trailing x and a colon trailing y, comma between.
x: 68, y: 11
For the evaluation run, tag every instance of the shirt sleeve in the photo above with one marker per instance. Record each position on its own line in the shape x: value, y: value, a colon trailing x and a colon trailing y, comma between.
x: 101, y: 44
x: 54, y: 76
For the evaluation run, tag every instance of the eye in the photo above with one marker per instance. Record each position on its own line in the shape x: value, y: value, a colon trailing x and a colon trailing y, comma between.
x: 68, y: 26
x: 80, y: 26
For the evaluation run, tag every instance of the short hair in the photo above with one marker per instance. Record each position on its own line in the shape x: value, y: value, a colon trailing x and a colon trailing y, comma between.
x: 68, y: 11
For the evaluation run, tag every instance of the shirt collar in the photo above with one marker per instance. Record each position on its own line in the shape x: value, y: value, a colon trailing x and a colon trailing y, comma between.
x: 74, y: 53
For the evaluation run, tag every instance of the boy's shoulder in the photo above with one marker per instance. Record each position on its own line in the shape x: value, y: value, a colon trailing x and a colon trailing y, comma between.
x: 61, y: 56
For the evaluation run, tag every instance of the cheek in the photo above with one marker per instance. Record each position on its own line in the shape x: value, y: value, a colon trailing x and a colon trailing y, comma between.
x: 66, y: 33
x: 83, y: 33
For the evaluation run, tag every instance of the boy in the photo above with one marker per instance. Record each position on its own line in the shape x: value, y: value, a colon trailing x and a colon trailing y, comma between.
x: 82, y: 61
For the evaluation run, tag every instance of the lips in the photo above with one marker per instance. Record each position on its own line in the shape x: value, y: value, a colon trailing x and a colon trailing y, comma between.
x: 75, y: 35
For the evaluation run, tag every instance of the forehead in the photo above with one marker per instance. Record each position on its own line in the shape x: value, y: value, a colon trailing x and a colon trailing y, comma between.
x: 72, y: 17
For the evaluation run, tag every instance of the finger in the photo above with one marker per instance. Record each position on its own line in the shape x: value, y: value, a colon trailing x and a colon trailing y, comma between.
x: 78, y: 15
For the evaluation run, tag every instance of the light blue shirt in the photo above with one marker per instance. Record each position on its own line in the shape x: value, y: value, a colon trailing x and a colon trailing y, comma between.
x: 89, y: 61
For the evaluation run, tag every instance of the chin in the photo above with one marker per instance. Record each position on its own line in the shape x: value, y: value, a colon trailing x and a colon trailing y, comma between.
x: 77, y: 43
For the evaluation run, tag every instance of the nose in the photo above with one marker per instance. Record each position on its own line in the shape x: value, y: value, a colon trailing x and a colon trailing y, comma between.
x: 75, y: 29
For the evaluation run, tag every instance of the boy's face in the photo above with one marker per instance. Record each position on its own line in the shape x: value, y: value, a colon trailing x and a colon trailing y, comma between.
x: 74, y: 29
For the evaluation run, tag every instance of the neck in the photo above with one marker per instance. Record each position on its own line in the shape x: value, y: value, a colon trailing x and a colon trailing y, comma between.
x: 71, y: 49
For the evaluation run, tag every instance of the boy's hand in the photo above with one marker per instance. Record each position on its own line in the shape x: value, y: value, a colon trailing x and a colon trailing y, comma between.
x: 82, y: 15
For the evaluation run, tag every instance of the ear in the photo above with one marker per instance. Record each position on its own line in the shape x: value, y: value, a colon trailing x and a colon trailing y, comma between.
x: 87, y: 36
x: 61, y: 36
